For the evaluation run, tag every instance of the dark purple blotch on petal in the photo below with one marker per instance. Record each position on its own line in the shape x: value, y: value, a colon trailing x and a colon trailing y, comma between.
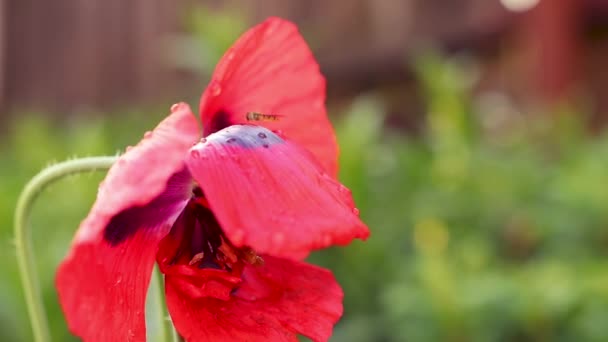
x: 245, y: 136
x: 152, y: 215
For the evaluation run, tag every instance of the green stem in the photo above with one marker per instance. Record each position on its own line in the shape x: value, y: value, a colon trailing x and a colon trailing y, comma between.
x: 175, y: 336
x: 23, y: 241
x: 165, y: 325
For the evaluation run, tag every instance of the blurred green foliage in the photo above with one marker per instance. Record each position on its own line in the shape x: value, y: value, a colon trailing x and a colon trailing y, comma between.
x: 488, y: 226
x: 479, y: 232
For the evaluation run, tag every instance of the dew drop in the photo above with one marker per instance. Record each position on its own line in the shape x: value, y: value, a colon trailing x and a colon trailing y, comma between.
x: 278, y: 239
x: 322, y: 178
x: 344, y: 189
x: 230, y: 140
x: 238, y: 236
x: 203, y: 140
x: 356, y: 211
x: 270, y: 30
x: 174, y: 107
x: 148, y: 135
x: 216, y: 90
x: 262, y: 135
x: 129, y: 148
x: 195, y: 154
x: 265, y: 145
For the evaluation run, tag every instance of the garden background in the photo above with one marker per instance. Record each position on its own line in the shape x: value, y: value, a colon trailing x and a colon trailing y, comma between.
x: 472, y: 135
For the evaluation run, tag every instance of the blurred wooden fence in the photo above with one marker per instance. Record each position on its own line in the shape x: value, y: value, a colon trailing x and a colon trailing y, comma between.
x: 63, y: 54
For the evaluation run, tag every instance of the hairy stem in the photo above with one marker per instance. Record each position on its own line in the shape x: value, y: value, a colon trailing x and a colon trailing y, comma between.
x: 23, y: 241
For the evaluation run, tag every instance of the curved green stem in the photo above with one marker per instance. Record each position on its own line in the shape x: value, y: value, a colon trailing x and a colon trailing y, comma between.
x: 23, y: 241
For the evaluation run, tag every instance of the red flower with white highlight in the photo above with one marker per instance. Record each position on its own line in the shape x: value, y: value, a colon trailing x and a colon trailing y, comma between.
x: 228, y: 217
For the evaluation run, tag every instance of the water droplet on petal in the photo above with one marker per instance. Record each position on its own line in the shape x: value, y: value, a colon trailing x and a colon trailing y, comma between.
x: 128, y: 148
x: 231, y: 140
x: 344, y: 189
x: 230, y: 56
x: 216, y: 89
x: 262, y: 135
x: 238, y: 236
x: 278, y: 239
x: 174, y: 107
x: 195, y: 154
x: 356, y: 211
x: 148, y: 135
x: 203, y: 140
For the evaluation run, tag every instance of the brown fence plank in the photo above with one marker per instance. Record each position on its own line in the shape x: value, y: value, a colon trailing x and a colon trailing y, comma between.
x: 3, y: 26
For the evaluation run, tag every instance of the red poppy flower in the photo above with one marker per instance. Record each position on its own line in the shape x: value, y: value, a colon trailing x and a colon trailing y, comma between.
x: 229, y: 219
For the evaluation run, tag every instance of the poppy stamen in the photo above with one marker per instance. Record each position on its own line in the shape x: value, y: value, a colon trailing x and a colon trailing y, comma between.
x: 197, y: 258
x: 208, y: 246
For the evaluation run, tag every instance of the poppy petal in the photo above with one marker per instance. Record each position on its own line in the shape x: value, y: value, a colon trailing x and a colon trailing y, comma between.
x: 142, y: 172
x: 271, y: 70
x: 102, y: 288
x: 271, y: 195
x: 102, y: 282
x: 275, y: 302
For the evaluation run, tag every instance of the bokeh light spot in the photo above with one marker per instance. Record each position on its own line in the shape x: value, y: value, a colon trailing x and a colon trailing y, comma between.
x: 519, y: 5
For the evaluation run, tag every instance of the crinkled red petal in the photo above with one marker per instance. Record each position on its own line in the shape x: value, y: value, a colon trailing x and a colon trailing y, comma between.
x: 142, y: 172
x: 271, y: 195
x: 102, y: 288
x: 102, y: 282
x: 271, y: 70
x: 275, y: 302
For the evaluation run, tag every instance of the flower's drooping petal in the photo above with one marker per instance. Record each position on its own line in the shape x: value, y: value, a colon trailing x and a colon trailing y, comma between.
x: 275, y: 302
x: 271, y: 195
x: 102, y: 283
x: 102, y: 288
x: 271, y: 70
x: 141, y: 174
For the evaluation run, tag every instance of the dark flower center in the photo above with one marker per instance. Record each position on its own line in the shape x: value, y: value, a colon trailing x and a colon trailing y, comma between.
x: 203, y: 244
